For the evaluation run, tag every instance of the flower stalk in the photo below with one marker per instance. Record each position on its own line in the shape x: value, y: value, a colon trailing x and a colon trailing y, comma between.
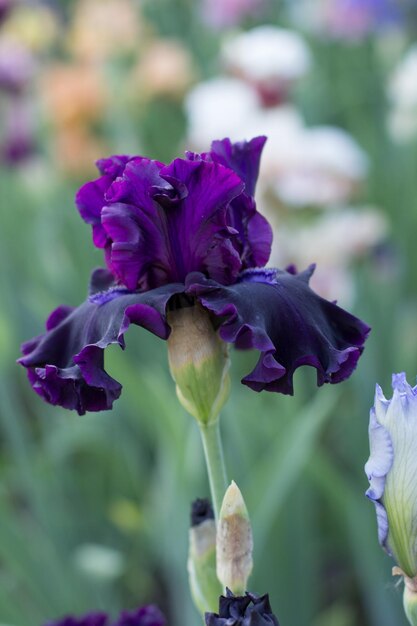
x: 213, y: 453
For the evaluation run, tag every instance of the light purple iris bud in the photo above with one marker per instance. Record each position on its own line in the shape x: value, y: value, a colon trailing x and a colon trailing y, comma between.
x: 392, y: 471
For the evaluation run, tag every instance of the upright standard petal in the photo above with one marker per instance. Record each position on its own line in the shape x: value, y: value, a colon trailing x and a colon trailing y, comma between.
x: 90, y: 198
x: 255, y: 232
x: 277, y: 313
x: 164, y: 222
x: 66, y: 364
x: 243, y: 157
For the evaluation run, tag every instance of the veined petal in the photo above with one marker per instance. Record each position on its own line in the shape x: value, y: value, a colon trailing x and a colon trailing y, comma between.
x: 66, y: 364
x: 278, y: 314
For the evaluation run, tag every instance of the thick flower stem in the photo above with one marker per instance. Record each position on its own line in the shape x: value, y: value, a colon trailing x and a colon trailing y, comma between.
x: 213, y: 452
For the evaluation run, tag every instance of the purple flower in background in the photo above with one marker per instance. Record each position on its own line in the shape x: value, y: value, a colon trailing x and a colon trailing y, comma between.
x: 145, y: 616
x: 92, y: 619
x: 5, y: 8
x: 18, y: 142
x: 17, y: 66
x: 356, y: 18
x: 247, y: 610
x: 229, y: 13
x: 349, y: 19
x: 173, y: 236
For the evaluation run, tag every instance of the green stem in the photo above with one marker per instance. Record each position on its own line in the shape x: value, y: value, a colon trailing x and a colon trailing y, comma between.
x: 213, y: 452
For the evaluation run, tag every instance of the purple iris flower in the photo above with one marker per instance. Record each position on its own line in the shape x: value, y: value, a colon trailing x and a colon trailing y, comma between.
x: 5, y: 8
x: 247, y: 610
x: 145, y: 616
x: 357, y: 18
x: 178, y: 234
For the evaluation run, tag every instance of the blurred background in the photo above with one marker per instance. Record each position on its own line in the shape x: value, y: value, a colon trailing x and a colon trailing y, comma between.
x: 94, y: 509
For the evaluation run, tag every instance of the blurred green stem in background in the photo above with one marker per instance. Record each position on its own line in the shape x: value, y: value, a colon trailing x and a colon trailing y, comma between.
x: 213, y: 452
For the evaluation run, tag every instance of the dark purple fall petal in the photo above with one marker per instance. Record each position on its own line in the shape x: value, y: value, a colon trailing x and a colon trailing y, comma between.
x: 66, y: 364
x: 287, y: 322
x: 247, y: 610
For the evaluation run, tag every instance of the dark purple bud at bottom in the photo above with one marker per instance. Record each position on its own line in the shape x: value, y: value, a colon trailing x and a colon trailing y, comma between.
x: 247, y: 610
x: 201, y: 510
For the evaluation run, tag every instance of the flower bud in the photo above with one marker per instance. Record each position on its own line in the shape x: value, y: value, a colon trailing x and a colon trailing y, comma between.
x: 234, y: 541
x: 247, y: 610
x: 409, y: 596
x: 199, y: 363
x: 391, y: 470
x: 205, y: 587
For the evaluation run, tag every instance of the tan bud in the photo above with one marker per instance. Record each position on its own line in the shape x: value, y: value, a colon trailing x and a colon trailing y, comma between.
x: 234, y: 542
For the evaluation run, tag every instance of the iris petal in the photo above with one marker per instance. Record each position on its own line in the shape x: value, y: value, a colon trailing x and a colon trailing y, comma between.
x: 66, y: 364
x: 90, y: 197
x: 255, y: 232
x: 287, y: 322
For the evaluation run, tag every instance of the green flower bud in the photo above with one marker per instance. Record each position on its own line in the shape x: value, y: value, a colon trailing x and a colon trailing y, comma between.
x: 410, y: 595
x: 199, y: 363
x: 234, y: 542
x: 204, y: 584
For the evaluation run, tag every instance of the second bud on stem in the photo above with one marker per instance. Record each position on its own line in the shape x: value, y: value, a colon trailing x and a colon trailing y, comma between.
x: 234, y: 544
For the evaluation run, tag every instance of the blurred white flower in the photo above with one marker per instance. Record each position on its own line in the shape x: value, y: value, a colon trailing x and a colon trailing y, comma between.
x: 333, y: 241
x: 319, y: 166
x: 267, y: 52
x: 402, y: 92
x: 324, y: 167
x: 98, y: 561
x: 269, y: 58
x: 218, y: 108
